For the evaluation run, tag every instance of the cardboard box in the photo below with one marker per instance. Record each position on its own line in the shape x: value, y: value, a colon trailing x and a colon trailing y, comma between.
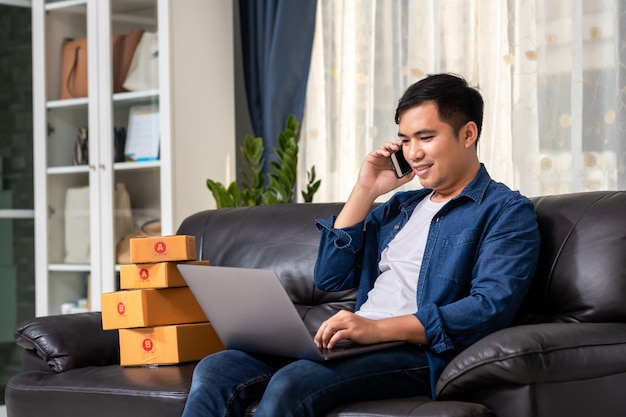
x: 157, y: 275
x: 166, y: 345
x: 162, y: 249
x: 150, y: 307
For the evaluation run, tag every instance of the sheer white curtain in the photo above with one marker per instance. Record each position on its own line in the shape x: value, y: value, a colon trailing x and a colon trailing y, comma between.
x: 551, y: 74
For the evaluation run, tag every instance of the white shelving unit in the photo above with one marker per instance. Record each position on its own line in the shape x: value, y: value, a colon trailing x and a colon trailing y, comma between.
x: 195, y: 97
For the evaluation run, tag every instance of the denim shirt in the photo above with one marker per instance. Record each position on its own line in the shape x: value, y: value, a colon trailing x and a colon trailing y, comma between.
x: 481, y: 253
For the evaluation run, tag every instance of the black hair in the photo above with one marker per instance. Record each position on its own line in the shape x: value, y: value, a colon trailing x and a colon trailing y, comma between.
x: 457, y: 102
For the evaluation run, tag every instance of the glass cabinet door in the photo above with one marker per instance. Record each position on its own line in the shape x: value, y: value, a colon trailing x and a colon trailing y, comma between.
x: 68, y: 171
x: 136, y: 118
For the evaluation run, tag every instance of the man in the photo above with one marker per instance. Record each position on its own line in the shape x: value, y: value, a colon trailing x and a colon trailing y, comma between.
x: 439, y: 268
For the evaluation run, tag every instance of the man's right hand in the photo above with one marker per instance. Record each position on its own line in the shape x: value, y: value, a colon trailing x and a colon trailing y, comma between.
x: 376, y: 177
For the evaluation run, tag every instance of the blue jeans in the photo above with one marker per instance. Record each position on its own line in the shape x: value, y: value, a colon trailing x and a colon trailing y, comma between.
x: 227, y: 382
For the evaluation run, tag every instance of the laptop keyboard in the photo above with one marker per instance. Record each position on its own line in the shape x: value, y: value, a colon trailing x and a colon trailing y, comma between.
x: 341, y: 346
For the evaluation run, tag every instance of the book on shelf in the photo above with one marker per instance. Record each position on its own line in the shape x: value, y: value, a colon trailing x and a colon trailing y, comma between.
x: 142, y: 136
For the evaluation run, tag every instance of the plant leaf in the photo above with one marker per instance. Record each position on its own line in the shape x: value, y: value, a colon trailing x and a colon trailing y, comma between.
x: 276, y: 186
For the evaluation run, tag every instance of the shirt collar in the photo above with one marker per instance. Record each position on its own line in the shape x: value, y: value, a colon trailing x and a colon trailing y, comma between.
x: 478, y: 187
x: 475, y: 190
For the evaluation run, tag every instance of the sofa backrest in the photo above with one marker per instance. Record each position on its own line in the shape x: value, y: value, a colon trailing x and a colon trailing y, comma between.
x: 581, y: 276
x: 282, y: 238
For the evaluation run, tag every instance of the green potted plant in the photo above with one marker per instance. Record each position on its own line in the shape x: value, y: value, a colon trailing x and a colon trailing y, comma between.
x: 275, y: 187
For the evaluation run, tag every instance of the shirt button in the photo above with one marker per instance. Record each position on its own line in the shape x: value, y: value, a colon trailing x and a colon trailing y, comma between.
x: 397, y: 226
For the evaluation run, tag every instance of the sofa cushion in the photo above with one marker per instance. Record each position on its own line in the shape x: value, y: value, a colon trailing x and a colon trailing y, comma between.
x: 101, y: 391
x: 69, y: 341
x: 404, y: 407
x: 412, y: 407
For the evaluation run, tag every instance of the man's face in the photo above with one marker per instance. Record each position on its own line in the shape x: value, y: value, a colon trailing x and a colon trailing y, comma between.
x: 442, y: 159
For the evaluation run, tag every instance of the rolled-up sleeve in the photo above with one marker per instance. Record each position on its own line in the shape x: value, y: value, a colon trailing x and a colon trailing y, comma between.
x: 338, y: 259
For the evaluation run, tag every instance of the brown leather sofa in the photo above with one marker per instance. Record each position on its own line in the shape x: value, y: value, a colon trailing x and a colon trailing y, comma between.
x: 565, y: 355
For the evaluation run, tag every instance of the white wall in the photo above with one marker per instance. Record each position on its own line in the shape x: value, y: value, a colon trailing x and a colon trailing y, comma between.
x: 203, y: 107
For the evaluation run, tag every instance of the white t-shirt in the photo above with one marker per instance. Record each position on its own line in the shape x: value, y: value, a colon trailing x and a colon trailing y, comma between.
x: 394, y: 292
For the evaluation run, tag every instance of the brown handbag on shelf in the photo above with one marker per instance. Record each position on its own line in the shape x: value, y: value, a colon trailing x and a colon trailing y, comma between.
x: 125, y: 57
x: 74, y: 68
x: 117, y: 46
x: 74, y: 63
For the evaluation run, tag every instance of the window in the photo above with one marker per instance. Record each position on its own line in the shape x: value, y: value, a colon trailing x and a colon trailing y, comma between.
x: 549, y: 72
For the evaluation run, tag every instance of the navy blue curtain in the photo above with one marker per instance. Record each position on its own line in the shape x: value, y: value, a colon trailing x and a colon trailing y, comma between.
x: 277, y: 38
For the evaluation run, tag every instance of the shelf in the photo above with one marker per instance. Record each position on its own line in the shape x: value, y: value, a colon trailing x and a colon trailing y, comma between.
x: 128, y: 166
x: 118, y: 166
x: 126, y: 97
x: 138, y: 20
x: 77, y: 6
x: 72, y: 169
x: 69, y: 267
x: 66, y: 103
x: 129, y: 96
x: 136, y: 95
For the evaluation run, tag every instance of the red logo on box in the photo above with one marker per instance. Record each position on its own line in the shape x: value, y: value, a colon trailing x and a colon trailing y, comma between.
x: 144, y: 274
x: 160, y: 247
x: 147, y: 344
x: 121, y: 308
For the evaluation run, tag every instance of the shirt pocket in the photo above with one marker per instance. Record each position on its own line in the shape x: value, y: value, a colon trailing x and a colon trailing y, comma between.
x: 457, y: 256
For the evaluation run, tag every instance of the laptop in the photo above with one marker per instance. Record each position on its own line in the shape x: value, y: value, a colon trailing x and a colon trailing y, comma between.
x: 251, y: 311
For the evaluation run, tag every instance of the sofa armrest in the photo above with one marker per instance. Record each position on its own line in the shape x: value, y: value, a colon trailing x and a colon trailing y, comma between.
x: 69, y: 341
x: 538, y: 353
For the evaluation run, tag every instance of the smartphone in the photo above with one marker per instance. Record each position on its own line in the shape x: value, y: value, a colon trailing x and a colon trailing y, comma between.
x: 400, y: 165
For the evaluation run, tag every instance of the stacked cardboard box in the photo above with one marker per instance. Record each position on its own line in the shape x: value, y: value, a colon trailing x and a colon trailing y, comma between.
x: 157, y: 316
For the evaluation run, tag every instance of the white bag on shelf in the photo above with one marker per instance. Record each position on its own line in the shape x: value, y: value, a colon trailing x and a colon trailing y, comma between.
x: 143, y: 73
x: 77, y: 229
x: 77, y: 246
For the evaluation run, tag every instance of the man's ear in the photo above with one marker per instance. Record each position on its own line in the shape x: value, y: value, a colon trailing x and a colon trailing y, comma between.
x: 469, y: 134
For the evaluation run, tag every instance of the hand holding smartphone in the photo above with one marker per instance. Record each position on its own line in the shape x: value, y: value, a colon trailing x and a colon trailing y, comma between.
x: 400, y: 165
